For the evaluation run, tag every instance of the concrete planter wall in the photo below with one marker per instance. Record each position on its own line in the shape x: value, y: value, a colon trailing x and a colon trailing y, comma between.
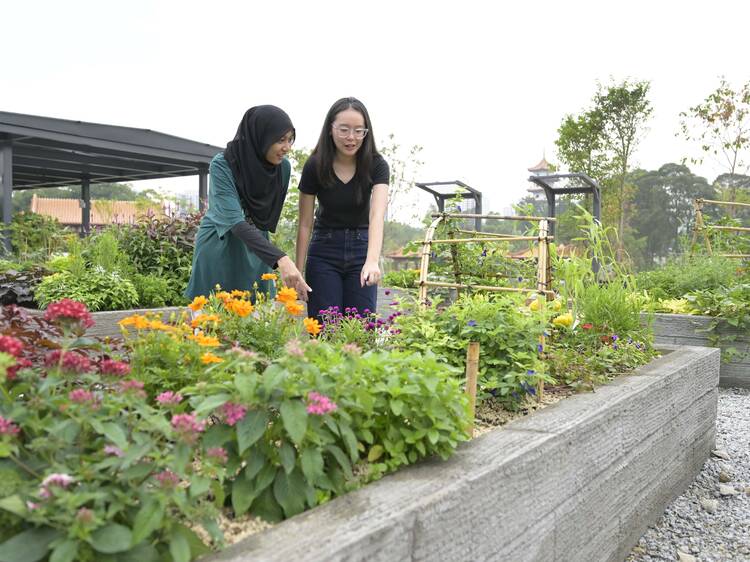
x: 580, y: 480
x: 106, y: 323
x: 685, y: 329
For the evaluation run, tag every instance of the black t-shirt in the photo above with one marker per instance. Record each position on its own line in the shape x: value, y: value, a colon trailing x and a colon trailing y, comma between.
x: 337, y: 204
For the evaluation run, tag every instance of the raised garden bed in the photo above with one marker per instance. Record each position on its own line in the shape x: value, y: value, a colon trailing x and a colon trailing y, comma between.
x: 686, y: 329
x: 106, y: 323
x: 580, y: 480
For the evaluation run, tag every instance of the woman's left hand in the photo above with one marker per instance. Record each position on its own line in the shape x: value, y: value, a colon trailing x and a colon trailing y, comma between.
x: 370, y: 274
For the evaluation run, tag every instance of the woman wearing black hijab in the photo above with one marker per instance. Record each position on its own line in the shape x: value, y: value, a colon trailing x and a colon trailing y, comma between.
x: 247, y: 187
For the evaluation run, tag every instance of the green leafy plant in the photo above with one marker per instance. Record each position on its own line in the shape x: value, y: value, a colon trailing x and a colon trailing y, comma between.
x: 98, y: 289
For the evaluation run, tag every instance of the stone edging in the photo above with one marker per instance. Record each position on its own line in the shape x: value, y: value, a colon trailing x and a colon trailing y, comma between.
x: 580, y: 480
x: 686, y: 329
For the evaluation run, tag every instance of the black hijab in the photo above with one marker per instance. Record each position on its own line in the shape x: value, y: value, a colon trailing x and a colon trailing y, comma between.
x: 258, y: 181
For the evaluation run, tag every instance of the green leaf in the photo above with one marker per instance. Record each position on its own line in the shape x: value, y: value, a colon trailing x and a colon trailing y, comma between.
x: 289, y: 491
x: 342, y: 459
x: 14, y: 504
x: 211, y: 403
x: 243, y: 494
x: 349, y: 439
x: 312, y: 463
x: 265, y: 477
x: 112, y: 538
x: 66, y: 551
x: 245, y: 383
x: 147, y: 520
x: 179, y: 548
x: 294, y: 417
x: 254, y: 463
x: 199, y: 485
x: 29, y: 546
x: 287, y: 456
x: 375, y: 453
x: 115, y: 433
x: 433, y: 435
x: 397, y: 406
x: 141, y: 553
x: 251, y: 428
x: 217, y: 435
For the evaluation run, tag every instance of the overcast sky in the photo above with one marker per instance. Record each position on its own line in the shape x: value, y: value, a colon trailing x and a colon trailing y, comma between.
x: 481, y: 85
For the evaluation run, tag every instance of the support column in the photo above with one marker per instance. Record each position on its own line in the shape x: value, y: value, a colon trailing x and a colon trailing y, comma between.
x: 478, y: 211
x: 6, y: 184
x: 202, y: 189
x: 85, y: 206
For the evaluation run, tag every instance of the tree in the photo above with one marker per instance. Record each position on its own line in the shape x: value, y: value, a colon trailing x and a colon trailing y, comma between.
x: 602, y: 140
x: 403, y: 168
x: 721, y: 124
x: 662, y: 208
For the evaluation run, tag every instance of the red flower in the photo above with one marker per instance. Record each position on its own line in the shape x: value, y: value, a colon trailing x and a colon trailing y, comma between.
x: 11, y: 346
x: 587, y: 326
x: 71, y: 361
x: 112, y: 367
x: 68, y: 310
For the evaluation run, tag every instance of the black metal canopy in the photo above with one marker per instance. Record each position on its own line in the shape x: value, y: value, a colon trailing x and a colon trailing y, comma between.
x: 49, y: 152
x: 443, y: 190
x: 40, y: 151
x: 567, y: 184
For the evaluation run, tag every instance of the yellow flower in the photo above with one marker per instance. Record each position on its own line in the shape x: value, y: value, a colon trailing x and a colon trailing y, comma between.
x: 535, y: 305
x: 312, y: 326
x: 198, y: 303
x: 556, y: 305
x: 295, y: 308
x: 269, y: 277
x: 209, y: 357
x: 240, y: 308
x: 128, y: 320
x: 237, y: 294
x: 563, y: 320
x: 287, y: 294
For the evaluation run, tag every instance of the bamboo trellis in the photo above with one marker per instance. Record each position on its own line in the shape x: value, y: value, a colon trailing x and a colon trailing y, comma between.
x: 702, y: 228
x: 544, y: 269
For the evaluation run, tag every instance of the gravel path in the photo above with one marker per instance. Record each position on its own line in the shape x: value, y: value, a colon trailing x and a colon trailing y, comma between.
x: 710, y: 521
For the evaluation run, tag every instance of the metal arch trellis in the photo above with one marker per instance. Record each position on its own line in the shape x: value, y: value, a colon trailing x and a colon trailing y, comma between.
x: 701, y: 227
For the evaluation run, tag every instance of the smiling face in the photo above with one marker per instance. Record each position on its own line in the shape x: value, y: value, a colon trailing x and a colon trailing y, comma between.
x: 348, y: 131
x: 276, y: 152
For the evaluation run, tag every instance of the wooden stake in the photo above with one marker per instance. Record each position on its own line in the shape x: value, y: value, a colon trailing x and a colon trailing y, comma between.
x: 425, y: 265
x: 472, y: 369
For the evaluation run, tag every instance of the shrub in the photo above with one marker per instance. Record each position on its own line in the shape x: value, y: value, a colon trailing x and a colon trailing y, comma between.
x: 98, y: 290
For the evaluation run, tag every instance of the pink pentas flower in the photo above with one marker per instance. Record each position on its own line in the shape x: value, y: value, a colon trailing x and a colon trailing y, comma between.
x: 319, y: 404
x: 71, y: 361
x: 112, y: 367
x: 112, y: 450
x: 351, y: 348
x: 167, y: 479
x: 169, y: 398
x: 56, y: 479
x: 69, y: 311
x: 293, y: 347
x: 188, y: 427
x: 232, y: 412
x: 11, y: 373
x: 7, y: 427
x: 219, y: 454
x: 11, y: 346
x: 134, y: 387
x: 81, y: 396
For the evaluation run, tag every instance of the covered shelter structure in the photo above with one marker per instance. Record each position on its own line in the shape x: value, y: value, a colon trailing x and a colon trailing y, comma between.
x: 40, y: 151
x: 444, y: 190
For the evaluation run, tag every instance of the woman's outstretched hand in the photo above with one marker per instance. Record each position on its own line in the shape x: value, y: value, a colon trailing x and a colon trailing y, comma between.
x: 291, y: 277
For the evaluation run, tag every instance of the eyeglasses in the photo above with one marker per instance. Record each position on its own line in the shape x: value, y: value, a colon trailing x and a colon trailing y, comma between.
x: 288, y: 141
x: 343, y: 131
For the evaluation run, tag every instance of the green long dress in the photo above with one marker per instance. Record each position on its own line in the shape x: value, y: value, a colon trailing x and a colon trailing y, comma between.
x: 219, y: 256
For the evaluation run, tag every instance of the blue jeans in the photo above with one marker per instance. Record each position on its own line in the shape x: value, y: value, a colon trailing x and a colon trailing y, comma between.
x: 334, y: 264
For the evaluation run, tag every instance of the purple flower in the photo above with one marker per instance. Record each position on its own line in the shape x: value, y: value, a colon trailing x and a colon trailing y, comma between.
x: 167, y: 479
x: 387, y: 292
x: 614, y: 337
x: 471, y: 323
x: 540, y: 348
x: 112, y: 450
x: 233, y: 413
x: 530, y: 371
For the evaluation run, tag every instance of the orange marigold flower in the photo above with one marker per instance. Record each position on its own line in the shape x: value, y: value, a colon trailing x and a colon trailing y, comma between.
x: 312, y: 326
x: 128, y: 320
x: 141, y: 323
x: 223, y: 296
x: 269, y: 277
x: 208, y: 358
x: 295, y: 308
x: 286, y: 294
x: 198, y: 321
x: 207, y: 341
x: 198, y: 303
x: 240, y: 308
x: 237, y: 294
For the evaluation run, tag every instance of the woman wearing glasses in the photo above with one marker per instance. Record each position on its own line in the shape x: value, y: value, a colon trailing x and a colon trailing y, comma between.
x: 247, y: 186
x: 349, y: 178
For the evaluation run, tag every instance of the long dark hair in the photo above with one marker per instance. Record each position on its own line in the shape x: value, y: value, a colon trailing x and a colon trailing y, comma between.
x: 325, y: 150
